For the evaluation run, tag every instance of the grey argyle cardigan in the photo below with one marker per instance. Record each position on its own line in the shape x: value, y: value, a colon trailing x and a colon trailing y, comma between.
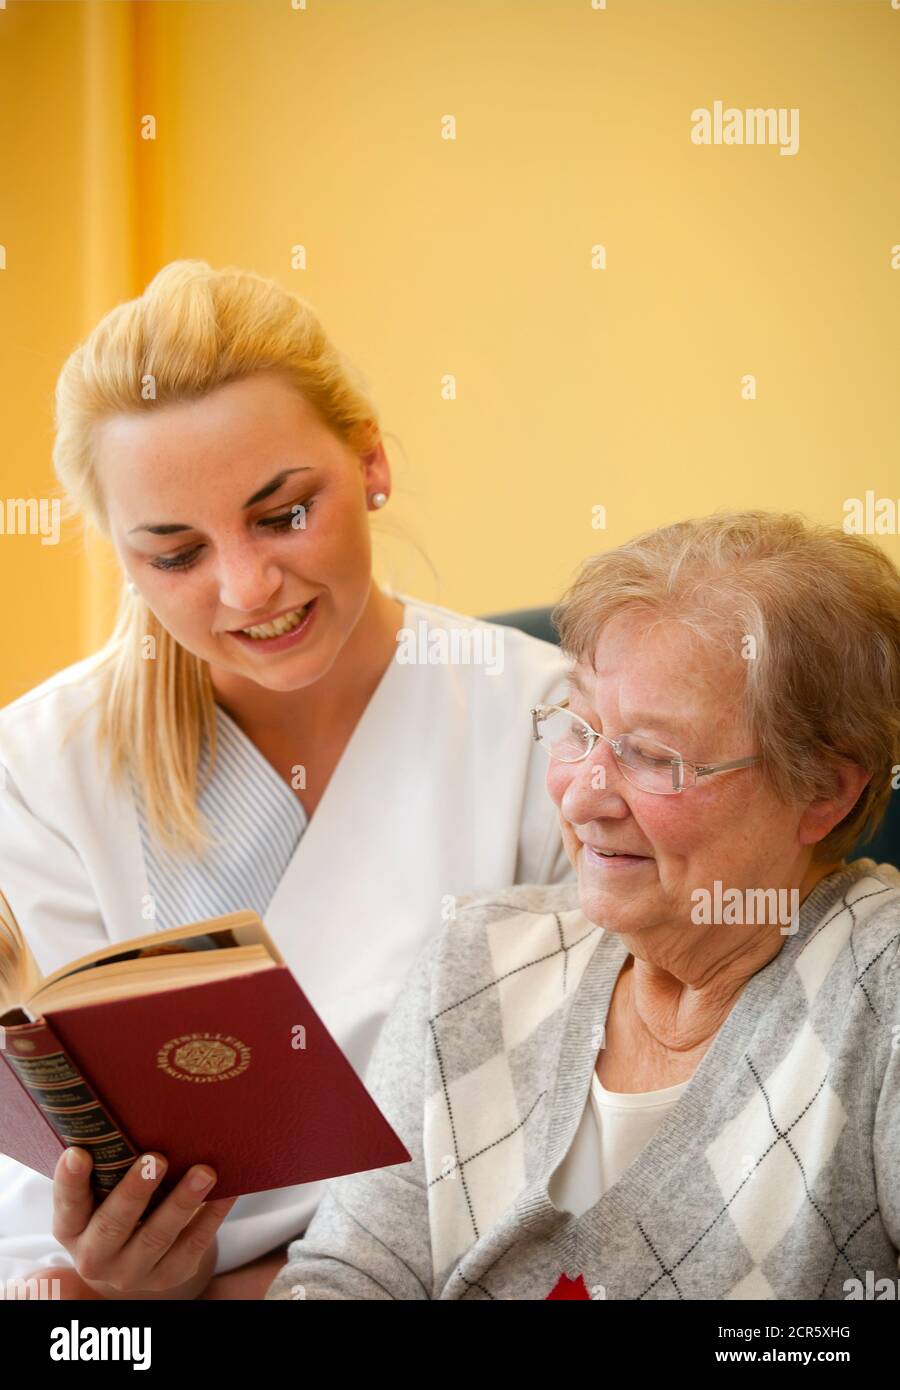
x: 776, y: 1175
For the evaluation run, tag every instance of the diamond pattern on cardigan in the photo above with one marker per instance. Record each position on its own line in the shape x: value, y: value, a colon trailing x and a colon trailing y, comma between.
x: 531, y: 980
x: 754, y: 1285
x: 784, y: 1129
x: 471, y: 1176
x: 773, y: 1177
x: 476, y: 1180
x: 790, y: 1124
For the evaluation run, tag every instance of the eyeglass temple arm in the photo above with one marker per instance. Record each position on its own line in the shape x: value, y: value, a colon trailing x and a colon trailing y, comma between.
x: 707, y: 769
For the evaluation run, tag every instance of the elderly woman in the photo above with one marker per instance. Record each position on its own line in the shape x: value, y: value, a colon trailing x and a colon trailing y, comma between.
x: 657, y: 1083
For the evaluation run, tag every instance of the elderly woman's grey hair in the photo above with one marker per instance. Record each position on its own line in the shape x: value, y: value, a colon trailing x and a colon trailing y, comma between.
x: 823, y: 611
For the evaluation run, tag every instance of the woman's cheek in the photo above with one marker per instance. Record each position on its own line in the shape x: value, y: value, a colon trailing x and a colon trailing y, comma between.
x: 670, y: 831
x: 556, y: 781
x: 179, y: 612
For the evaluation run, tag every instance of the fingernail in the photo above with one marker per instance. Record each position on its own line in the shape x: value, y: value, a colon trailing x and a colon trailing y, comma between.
x: 200, y: 1180
x: 75, y: 1160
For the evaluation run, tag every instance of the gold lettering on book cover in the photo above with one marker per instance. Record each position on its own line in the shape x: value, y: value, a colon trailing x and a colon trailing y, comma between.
x: 204, y: 1057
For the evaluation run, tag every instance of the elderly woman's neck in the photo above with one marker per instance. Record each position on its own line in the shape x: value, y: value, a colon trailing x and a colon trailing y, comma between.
x: 679, y: 984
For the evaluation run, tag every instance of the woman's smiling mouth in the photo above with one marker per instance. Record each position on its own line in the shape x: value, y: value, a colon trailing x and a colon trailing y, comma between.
x: 613, y: 859
x: 284, y: 630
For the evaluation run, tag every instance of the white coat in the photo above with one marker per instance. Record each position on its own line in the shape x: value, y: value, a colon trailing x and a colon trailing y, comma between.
x: 440, y: 791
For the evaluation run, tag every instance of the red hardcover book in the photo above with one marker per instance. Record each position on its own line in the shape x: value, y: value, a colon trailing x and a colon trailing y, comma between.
x: 196, y: 1042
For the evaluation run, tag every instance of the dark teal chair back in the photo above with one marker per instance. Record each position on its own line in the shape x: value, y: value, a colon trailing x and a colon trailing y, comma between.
x: 884, y: 847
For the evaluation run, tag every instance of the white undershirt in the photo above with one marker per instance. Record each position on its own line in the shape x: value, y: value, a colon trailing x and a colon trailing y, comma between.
x: 614, y: 1127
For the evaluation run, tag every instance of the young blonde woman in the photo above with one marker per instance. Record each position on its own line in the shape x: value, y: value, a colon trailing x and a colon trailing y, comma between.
x: 248, y: 736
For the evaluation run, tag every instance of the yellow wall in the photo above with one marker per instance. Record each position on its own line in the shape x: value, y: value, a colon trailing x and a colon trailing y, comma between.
x: 577, y: 386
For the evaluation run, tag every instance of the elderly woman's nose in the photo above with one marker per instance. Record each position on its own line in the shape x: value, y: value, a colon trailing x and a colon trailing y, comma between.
x: 591, y: 780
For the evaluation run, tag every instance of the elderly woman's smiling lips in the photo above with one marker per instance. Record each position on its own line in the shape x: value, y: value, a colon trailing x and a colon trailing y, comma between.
x: 609, y: 858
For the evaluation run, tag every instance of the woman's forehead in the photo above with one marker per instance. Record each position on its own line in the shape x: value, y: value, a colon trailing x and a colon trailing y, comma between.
x: 658, y: 673
x: 629, y: 644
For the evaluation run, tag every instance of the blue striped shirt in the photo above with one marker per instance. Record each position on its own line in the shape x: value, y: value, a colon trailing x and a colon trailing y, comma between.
x: 257, y: 816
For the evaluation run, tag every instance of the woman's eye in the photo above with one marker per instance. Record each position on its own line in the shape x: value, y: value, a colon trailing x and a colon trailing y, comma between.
x: 182, y: 561
x: 295, y: 518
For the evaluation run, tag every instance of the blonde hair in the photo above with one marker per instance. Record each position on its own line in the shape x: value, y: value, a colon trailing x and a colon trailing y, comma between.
x: 192, y: 330
x: 823, y: 610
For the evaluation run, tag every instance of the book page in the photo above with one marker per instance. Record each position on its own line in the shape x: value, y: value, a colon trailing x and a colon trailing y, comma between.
x: 244, y: 928
x: 148, y: 975
x: 19, y: 973
x: 21, y: 982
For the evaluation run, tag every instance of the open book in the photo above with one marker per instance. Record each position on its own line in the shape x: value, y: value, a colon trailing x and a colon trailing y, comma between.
x: 196, y: 1042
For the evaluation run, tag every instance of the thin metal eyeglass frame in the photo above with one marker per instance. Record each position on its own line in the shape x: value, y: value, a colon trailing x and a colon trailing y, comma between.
x: 697, y: 769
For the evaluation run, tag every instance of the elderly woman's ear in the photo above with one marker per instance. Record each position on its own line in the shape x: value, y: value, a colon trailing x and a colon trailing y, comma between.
x: 822, y: 815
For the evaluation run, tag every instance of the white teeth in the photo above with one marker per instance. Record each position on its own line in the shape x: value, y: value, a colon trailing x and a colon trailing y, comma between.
x: 285, y: 623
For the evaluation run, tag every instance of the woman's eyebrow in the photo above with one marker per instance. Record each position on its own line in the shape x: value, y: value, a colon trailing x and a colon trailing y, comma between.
x: 168, y: 528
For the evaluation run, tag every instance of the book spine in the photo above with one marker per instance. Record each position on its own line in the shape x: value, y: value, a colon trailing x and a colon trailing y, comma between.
x: 68, y: 1103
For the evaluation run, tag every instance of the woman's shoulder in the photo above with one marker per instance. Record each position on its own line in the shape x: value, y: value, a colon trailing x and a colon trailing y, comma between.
x: 68, y: 685
x: 854, y: 940
x: 518, y: 899
x: 515, y: 938
x: 434, y: 635
x: 38, y: 719
x: 874, y: 907
x: 525, y: 918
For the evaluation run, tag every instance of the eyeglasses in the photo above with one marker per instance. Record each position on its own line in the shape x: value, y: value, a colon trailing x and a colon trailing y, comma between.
x: 646, y: 764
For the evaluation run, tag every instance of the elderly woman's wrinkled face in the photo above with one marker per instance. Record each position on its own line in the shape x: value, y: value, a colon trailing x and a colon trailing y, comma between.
x: 664, y: 684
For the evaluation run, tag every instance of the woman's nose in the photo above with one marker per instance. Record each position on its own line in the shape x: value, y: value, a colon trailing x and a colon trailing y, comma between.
x: 592, y: 781
x: 247, y: 579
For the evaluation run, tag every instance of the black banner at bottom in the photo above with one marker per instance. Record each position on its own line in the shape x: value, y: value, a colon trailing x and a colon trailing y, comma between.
x: 205, y: 1338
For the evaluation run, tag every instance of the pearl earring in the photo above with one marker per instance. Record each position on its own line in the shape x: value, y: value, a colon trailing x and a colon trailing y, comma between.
x: 378, y: 499
x: 132, y: 587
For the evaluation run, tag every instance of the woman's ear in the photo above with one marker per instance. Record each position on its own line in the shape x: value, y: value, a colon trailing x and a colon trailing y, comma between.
x: 821, y: 816
x: 375, y: 466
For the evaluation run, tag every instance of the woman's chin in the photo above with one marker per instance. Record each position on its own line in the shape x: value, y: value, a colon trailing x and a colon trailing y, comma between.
x: 608, y: 905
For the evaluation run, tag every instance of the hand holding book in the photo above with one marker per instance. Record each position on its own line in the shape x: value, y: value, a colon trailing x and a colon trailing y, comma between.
x: 195, y: 1041
x: 121, y: 1253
